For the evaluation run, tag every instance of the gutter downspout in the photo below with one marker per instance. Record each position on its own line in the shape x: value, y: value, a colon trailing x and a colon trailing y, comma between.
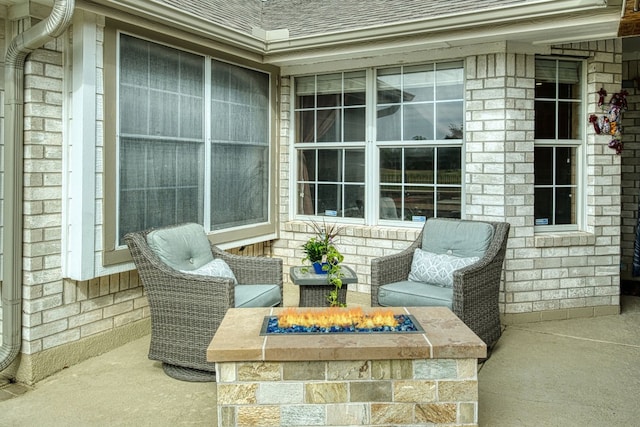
x: 21, y: 46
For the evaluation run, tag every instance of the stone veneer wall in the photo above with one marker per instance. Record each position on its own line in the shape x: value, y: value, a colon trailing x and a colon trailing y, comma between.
x: 547, y: 276
x: 342, y: 393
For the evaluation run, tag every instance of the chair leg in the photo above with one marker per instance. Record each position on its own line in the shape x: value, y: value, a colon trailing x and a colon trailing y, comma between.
x: 188, y: 374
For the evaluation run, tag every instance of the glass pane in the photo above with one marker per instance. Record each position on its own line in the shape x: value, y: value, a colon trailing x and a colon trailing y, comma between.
x: 329, y: 199
x: 389, y: 86
x: 565, y: 206
x: 449, y: 202
x: 306, y: 199
x: 450, y: 165
x: 545, y: 120
x: 354, y: 201
x: 164, y: 110
x: 388, y: 125
x: 305, y: 122
x: 354, y: 166
x: 419, y: 165
x: 569, y: 86
x: 161, y: 183
x: 307, y: 165
x: 354, y: 88
x: 449, y: 83
x: 354, y: 124
x: 390, y: 165
x: 390, y: 202
x: 569, y: 120
x: 543, y: 208
x: 418, y: 202
x: 418, y: 83
x: 330, y: 165
x: 543, y: 157
x: 191, y: 117
x: 329, y: 90
x: 134, y: 61
x: 134, y: 114
x: 242, y: 171
x: 418, y: 122
x: 449, y: 120
x: 305, y: 92
x: 329, y: 126
x: 164, y: 63
x: 565, y: 166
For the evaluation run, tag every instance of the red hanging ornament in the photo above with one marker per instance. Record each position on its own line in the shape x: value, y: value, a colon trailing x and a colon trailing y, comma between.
x: 602, y: 93
x: 594, y: 120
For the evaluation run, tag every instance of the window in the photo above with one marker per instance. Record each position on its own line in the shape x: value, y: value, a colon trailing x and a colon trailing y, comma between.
x: 192, y: 140
x: 558, y: 140
x: 414, y: 136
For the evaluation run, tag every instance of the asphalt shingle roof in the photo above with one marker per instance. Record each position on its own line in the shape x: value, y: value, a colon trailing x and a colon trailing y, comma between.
x: 308, y: 17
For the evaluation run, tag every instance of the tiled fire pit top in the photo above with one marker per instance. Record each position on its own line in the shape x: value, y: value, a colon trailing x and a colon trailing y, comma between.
x: 445, y: 337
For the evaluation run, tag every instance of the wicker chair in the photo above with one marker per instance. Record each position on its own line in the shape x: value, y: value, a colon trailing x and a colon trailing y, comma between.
x: 475, y: 287
x: 186, y: 309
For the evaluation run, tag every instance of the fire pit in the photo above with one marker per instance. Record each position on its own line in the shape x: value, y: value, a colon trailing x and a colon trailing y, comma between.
x: 339, y: 320
x: 339, y: 379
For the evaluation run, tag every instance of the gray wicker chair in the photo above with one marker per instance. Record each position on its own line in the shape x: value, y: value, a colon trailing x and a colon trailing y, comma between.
x: 475, y: 287
x: 186, y: 309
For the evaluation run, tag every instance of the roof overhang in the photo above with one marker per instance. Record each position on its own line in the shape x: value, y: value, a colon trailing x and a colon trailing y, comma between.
x: 542, y: 22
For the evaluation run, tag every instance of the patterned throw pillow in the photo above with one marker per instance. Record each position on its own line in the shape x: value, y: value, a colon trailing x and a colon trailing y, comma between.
x: 436, y: 269
x: 215, y: 268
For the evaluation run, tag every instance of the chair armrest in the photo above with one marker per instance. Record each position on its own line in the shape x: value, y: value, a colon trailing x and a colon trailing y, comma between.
x: 391, y: 268
x: 251, y: 270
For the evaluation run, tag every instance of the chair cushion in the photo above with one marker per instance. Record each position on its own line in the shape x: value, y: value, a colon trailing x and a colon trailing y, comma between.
x: 184, y: 247
x: 257, y: 295
x: 216, y: 268
x: 436, y: 269
x: 411, y: 294
x: 457, y: 237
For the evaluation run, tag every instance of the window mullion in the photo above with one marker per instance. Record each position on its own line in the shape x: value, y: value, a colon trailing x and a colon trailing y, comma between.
x: 207, y: 144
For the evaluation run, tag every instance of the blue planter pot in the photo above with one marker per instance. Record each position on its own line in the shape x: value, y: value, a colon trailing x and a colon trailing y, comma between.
x: 317, y: 267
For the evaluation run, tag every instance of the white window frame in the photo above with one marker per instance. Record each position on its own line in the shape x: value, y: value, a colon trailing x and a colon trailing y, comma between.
x: 372, y: 156
x: 578, y: 145
x: 236, y: 236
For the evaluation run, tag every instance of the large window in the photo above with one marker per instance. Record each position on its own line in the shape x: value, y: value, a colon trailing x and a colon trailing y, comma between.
x: 193, y: 140
x: 380, y: 145
x: 558, y: 140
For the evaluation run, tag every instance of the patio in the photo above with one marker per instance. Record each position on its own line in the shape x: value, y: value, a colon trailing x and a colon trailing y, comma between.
x: 576, y: 372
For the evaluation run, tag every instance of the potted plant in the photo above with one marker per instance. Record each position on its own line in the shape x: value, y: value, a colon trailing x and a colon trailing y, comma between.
x: 325, y: 258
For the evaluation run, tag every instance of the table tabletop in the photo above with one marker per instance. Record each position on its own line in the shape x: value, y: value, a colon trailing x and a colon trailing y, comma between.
x: 306, y: 276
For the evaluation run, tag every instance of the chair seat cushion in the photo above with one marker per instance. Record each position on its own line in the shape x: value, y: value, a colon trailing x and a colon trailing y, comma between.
x: 457, y: 237
x: 411, y: 294
x: 436, y: 269
x: 184, y: 247
x: 257, y: 295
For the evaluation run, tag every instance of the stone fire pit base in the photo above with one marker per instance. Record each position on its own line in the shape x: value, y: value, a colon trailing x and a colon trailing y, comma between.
x: 402, y: 379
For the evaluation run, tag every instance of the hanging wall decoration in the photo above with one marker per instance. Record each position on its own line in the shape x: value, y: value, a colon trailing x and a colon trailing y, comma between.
x: 610, y: 123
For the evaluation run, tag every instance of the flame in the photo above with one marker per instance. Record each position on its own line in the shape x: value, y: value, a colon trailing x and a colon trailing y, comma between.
x: 337, y: 317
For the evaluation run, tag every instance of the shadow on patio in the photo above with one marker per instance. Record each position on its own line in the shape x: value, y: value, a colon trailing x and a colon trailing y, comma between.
x: 578, y: 372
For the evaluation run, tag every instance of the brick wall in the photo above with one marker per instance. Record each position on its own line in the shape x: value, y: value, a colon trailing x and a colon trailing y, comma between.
x: 630, y: 180
x: 547, y: 276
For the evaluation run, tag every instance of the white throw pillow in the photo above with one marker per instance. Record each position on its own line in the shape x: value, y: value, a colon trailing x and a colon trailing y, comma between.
x: 215, y: 268
x: 436, y: 269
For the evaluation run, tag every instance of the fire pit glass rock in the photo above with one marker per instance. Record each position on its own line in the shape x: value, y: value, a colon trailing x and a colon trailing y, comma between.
x: 334, y: 321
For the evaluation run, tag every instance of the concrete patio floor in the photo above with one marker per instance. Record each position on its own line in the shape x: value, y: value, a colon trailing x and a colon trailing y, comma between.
x: 578, y: 372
